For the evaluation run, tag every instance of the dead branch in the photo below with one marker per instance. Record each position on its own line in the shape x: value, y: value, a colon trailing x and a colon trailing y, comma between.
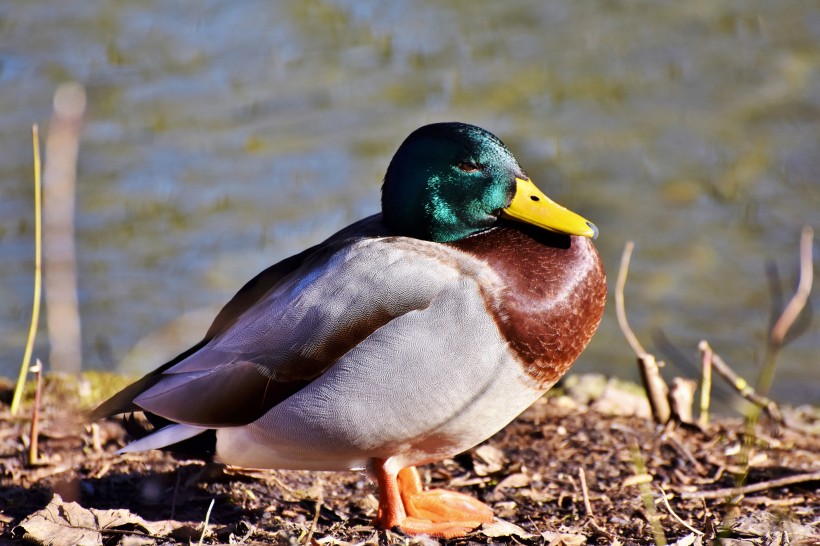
x: 752, y: 488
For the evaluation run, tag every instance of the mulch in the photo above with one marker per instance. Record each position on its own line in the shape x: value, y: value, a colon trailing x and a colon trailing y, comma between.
x: 562, y: 473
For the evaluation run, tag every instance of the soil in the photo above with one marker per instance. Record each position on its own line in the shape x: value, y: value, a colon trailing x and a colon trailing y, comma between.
x: 644, y: 484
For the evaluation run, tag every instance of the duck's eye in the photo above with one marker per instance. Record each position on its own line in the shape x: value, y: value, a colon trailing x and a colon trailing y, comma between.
x: 469, y: 167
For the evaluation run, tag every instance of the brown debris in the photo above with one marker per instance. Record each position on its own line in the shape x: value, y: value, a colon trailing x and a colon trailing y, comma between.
x: 560, y: 474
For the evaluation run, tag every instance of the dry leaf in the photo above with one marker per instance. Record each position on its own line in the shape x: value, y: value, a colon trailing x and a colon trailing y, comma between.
x: 500, y: 528
x: 487, y: 459
x: 563, y: 539
x: 514, y: 481
x: 69, y: 523
x: 687, y: 540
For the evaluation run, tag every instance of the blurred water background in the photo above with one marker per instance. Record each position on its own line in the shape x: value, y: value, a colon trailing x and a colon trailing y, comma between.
x: 222, y: 137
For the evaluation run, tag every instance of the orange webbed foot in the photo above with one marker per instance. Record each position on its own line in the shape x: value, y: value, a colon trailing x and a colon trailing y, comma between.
x: 404, y: 504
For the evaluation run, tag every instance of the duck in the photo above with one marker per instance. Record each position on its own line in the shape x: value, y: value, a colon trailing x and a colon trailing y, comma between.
x: 408, y: 337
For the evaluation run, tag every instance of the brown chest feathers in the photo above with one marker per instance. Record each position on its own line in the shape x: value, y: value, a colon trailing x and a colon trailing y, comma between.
x: 553, y: 296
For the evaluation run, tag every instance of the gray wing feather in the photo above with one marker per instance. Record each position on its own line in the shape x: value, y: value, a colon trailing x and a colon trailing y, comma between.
x: 297, y: 331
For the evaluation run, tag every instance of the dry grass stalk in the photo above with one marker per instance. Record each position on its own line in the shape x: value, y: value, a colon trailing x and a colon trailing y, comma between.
x: 38, y: 271
x: 205, y: 524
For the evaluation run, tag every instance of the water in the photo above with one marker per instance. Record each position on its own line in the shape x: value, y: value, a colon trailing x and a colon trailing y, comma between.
x: 221, y: 138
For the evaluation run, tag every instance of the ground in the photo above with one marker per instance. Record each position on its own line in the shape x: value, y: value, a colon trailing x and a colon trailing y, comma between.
x: 644, y: 484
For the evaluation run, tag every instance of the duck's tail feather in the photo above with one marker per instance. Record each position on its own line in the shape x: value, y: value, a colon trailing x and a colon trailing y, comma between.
x: 164, y: 437
x: 201, y: 445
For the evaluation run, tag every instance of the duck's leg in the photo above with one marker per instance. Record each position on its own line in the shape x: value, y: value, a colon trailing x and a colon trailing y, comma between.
x: 404, y: 504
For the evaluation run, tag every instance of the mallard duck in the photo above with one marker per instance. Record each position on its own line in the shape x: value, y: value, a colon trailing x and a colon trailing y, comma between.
x: 407, y: 337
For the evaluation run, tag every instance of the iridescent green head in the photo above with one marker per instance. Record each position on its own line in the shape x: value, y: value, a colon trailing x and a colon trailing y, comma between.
x: 450, y: 180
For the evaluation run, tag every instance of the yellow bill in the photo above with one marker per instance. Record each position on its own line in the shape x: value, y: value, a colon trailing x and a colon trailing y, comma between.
x: 530, y: 205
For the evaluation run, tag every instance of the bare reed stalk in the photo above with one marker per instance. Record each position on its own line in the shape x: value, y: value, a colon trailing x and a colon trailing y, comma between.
x: 682, y: 399
x: 790, y: 312
x: 706, y: 382
x: 646, y: 496
x: 656, y: 389
x: 801, y: 296
x: 38, y: 271
x: 620, y: 307
x: 34, y: 433
x: 62, y: 147
x: 776, y: 340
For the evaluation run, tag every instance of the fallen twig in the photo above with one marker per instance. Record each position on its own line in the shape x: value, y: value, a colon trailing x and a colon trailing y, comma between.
x: 315, y: 522
x: 685, y: 452
x: 674, y: 515
x: 598, y: 530
x: 752, y: 488
x: 742, y: 386
x: 585, y: 492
